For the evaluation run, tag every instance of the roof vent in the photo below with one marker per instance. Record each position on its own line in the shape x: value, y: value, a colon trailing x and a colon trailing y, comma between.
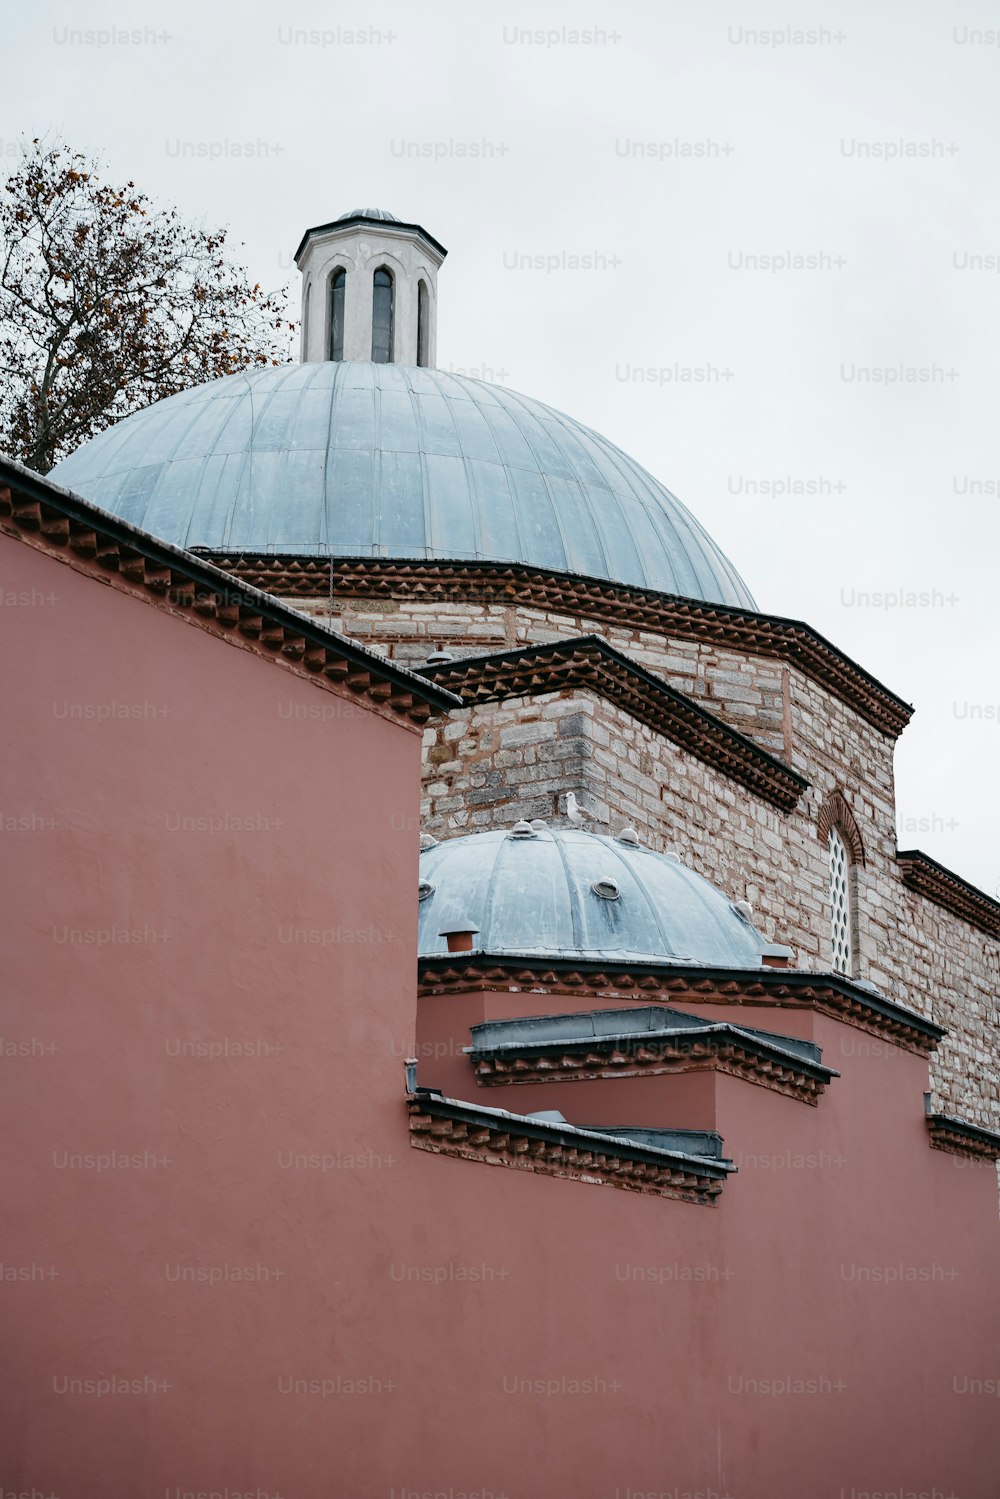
x: 523, y: 829
x: 424, y: 889
x: 437, y: 658
x: 673, y: 856
x: 628, y: 835
x: 743, y: 908
x: 459, y: 934
x: 538, y: 823
x: 607, y: 889
x: 427, y: 840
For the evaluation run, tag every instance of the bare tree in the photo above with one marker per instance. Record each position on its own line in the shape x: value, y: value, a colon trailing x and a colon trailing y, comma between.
x: 107, y: 304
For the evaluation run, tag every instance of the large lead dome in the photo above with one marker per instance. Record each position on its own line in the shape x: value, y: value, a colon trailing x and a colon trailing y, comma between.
x: 352, y: 459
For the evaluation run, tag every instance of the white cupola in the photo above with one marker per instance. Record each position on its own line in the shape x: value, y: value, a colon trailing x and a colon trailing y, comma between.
x: 369, y: 290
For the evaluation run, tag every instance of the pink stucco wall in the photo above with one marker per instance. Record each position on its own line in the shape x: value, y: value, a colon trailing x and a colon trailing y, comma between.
x: 411, y: 1323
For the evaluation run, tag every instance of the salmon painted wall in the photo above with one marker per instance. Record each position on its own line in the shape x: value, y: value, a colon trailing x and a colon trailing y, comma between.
x: 211, y: 1207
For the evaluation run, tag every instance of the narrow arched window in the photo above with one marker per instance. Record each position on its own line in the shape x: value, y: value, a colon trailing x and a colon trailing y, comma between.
x: 382, y: 317
x: 422, y: 325
x: 338, y: 289
x: 842, y: 924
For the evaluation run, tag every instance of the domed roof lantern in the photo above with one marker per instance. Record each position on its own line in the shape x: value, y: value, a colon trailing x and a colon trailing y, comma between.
x: 369, y: 289
x: 365, y: 450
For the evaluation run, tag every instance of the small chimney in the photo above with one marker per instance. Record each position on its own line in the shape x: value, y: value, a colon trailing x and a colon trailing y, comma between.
x: 460, y: 934
x: 777, y: 955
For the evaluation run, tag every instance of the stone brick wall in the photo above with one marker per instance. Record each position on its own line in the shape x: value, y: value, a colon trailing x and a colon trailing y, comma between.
x: 488, y: 765
x: 748, y: 693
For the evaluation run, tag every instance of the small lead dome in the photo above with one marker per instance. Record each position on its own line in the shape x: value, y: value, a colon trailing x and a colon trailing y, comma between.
x: 381, y: 214
x: 550, y: 895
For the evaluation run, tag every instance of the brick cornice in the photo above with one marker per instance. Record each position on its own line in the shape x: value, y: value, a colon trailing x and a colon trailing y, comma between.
x: 448, y: 1127
x: 710, y: 1048
x: 958, y: 1137
x: 927, y: 877
x: 590, y: 662
x: 836, y: 813
x: 93, y: 542
x: 589, y: 598
x: 826, y: 993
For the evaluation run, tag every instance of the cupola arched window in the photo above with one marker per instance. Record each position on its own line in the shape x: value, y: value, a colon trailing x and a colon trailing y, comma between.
x: 423, y: 323
x: 382, y: 317
x: 842, y: 922
x: 338, y: 289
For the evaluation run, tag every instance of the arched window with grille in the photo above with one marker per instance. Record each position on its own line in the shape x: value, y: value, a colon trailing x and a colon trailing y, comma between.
x: 841, y: 916
x: 338, y: 290
x: 382, y: 315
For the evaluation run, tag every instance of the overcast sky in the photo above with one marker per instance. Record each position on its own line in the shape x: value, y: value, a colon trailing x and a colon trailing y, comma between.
x: 683, y: 146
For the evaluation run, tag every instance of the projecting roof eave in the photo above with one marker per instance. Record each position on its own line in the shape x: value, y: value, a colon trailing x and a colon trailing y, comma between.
x: 693, y: 1035
x: 958, y: 1137
x: 440, y: 1106
x: 41, y: 513
x: 533, y: 669
x: 945, y: 888
x: 829, y: 993
x: 638, y: 1020
x: 611, y: 1044
x: 383, y: 225
x: 771, y: 635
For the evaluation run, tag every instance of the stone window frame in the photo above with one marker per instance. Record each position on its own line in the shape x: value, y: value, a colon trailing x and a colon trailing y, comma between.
x: 837, y: 828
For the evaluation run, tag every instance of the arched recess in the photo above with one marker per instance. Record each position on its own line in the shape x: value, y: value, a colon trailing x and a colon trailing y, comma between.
x: 838, y: 829
x: 423, y: 324
x: 383, y: 315
x: 338, y: 311
x: 835, y: 813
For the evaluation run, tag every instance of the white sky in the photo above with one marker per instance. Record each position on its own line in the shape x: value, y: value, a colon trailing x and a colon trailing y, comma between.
x: 334, y: 125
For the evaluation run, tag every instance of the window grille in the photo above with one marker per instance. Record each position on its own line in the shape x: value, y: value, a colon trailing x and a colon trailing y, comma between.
x: 840, y: 904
